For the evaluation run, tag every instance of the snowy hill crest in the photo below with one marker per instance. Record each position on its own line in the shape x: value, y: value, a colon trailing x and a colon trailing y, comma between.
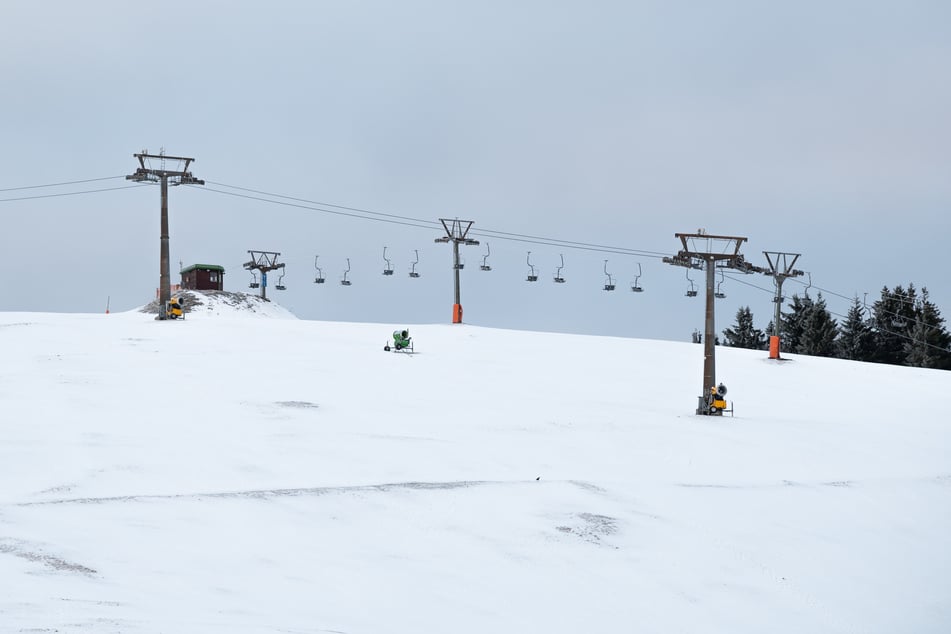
x: 224, y: 303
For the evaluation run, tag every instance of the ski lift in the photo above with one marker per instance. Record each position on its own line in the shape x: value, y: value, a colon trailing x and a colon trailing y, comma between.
x: 413, y: 272
x: 280, y: 284
x: 485, y: 266
x: 692, y: 291
x: 320, y: 274
x: 345, y: 281
x: 609, y: 284
x: 635, y: 287
x: 254, y: 280
x: 531, y: 276
x: 460, y: 264
x: 388, y: 270
x: 719, y: 294
x: 558, y: 278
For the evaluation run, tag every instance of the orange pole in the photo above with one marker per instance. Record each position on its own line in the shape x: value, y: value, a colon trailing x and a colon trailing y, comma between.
x: 457, y: 313
x: 774, y: 347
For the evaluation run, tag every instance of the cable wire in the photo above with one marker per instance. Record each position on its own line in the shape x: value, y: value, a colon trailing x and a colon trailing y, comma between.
x: 311, y: 207
x: 521, y: 237
x: 427, y: 224
x: 322, y: 204
x: 740, y: 280
x: 87, y: 180
x: 87, y: 191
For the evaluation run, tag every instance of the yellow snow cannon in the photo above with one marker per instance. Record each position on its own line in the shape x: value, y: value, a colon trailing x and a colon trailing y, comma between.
x: 716, y: 401
x: 173, y: 309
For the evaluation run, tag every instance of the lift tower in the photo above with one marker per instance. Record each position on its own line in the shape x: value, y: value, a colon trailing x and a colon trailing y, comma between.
x: 704, y: 251
x: 162, y: 176
x: 780, y: 267
x: 456, y: 232
x: 264, y: 261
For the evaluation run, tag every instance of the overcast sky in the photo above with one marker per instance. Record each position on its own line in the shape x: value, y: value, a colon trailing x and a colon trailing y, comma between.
x: 820, y: 128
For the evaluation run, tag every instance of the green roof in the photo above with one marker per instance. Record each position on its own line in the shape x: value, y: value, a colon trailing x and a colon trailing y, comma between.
x: 203, y: 267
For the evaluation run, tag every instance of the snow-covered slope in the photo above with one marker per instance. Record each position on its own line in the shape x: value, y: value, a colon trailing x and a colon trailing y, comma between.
x: 235, y: 474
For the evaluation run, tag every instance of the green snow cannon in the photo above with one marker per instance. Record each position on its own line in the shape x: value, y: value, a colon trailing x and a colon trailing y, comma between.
x: 401, y: 341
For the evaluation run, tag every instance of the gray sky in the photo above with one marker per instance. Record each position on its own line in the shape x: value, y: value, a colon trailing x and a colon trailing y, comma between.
x: 812, y: 127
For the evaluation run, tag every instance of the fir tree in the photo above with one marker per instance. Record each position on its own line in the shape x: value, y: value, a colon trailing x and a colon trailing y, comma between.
x: 808, y: 328
x: 793, y: 322
x: 743, y: 334
x: 855, y: 335
x: 819, y: 330
x: 929, y: 342
x: 893, y: 316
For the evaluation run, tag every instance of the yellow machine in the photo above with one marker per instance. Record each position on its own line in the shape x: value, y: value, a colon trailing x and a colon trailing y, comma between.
x: 173, y: 309
x: 716, y: 401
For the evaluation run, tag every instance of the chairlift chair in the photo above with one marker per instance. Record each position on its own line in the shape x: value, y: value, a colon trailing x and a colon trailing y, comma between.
x: 320, y: 274
x: 531, y: 276
x: 413, y: 272
x: 558, y: 278
x: 254, y: 280
x: 635, y: 287
x: 388, y: 269
x: 461, y: 264
x: 485, y: 265
x: 719, y: 294
x: 692, y: 291
x: 609, y: 283
x: 345, y: 281
x: 280, y: 284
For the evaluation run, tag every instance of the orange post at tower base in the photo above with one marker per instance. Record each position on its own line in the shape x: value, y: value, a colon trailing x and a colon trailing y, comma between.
x: 457, y: 313
x: 774, y: 347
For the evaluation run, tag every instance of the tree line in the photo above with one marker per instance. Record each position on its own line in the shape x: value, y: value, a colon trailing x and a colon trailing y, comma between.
x: 904, y: 327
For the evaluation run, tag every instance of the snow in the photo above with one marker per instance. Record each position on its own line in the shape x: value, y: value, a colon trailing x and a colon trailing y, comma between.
x: 246, y: 471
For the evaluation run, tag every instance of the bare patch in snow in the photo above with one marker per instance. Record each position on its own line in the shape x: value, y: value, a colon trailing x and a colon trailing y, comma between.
x: 20, y: 549
x: 590, y: 527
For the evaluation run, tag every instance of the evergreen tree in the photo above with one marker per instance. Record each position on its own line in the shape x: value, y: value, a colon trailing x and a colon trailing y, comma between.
x: 929, y: 342
x: 855, y: 335
x: 743, y: 334
x: 893, y: 316
x: 808, y: 328
x: 793, y: 322
x: 819, y: 330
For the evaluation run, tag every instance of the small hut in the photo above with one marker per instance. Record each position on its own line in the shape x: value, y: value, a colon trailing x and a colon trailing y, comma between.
x: 203, y: 277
